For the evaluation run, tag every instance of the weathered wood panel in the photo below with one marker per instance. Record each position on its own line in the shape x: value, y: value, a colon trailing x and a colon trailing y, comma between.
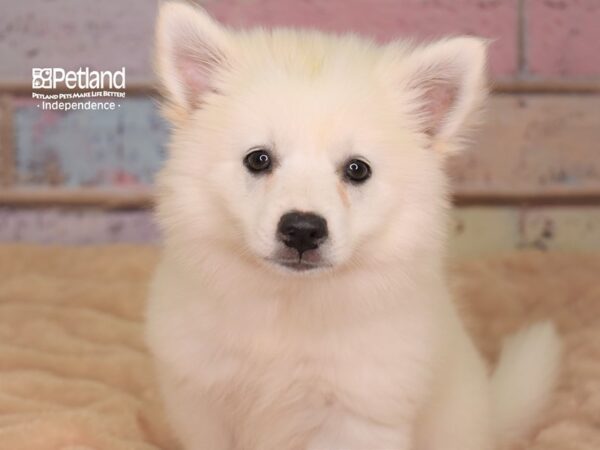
x: 559, y: 38
x: 534, y: 143
x: 562, y: 229
x: 120, y: 148
x: 75, y: 227
x: 483, y: 231
x: 7, y: 163
x: 389, y: 19
x: 107, y: 35
x: 103, y: 35
x: 110, y: 198
x: 474, y: 231
x: 563, y: 37
x: 480, y: 231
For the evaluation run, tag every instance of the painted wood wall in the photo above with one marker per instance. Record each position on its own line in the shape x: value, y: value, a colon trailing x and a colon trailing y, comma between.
x: 530, y: 143
x: 531, y: 179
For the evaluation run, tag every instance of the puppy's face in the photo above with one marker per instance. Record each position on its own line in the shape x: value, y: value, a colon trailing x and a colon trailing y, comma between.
x: 306, y: 168
x: 307, y: 152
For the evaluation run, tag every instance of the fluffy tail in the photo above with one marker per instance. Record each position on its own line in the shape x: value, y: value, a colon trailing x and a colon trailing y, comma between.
x: 524, y: 379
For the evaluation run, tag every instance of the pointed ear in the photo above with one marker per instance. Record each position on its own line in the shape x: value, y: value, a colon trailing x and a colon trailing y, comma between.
x: 447, y: 81
x: 190, y: 50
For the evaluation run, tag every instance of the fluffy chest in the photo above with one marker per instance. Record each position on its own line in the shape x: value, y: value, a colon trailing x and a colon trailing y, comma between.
x: 267, y: 369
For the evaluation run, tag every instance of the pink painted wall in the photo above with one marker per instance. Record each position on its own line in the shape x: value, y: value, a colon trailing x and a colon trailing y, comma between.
x: 104, y: 35
x: 389, y: 19
x: 541, y: 38
x: 563, y: 38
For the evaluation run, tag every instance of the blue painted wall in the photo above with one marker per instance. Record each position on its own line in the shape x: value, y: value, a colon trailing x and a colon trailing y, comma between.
x: 118, y: 148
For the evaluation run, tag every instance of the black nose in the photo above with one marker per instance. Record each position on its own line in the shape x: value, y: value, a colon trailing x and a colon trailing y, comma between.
x: 302, y: 231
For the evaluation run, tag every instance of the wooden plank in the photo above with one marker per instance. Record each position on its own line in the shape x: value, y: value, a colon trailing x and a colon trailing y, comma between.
x: 536, y: 149
x: 102, y: 35
x: 111, y: 34
x: 506, y: 195
x: 484, y: 231
x: 103, y: 198
x: 573, y: 229
x: 143, y: 197
x: 503, y: 85
x: 76, y: 227
x: 7, y: 155
x: 562, y: 37
x: 546, y: 86
x: 536, y: 144
x: 474, y: 231
x: 93, y: 149
x: 134, y: 88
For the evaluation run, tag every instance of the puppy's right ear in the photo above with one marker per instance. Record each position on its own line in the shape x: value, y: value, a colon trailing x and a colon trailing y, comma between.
x: 190, y: 50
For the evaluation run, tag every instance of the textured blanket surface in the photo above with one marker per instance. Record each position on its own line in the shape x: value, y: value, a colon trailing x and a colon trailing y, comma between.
x: 74, y: 373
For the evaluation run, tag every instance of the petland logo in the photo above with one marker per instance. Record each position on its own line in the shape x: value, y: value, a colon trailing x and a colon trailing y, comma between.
x: 84, y: 83
x: 84, y: 78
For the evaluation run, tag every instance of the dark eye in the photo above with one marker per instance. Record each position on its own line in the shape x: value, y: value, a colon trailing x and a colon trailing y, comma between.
x: 357, y: 171
x: 258, y: 161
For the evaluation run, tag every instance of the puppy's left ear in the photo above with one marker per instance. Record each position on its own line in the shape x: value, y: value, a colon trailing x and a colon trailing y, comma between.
x: 446, y: 84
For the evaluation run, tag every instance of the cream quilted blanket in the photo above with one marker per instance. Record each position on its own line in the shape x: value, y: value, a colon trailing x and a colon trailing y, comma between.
x: 74, y: 374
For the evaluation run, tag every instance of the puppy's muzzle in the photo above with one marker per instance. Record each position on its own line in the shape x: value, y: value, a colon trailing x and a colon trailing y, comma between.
x: 302, y: 231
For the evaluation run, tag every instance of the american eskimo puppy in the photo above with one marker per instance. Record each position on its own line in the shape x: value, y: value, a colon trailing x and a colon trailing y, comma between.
x: 301, y: 301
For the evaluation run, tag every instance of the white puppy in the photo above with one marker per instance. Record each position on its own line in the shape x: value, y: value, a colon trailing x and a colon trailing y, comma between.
x: 301, y: 301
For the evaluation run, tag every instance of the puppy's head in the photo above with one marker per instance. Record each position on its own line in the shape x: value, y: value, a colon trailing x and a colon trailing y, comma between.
x: 304, y: 151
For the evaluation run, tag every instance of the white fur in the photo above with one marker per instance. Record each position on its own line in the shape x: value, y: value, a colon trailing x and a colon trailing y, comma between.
x: 367, y: 353
x: 535, y: 352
